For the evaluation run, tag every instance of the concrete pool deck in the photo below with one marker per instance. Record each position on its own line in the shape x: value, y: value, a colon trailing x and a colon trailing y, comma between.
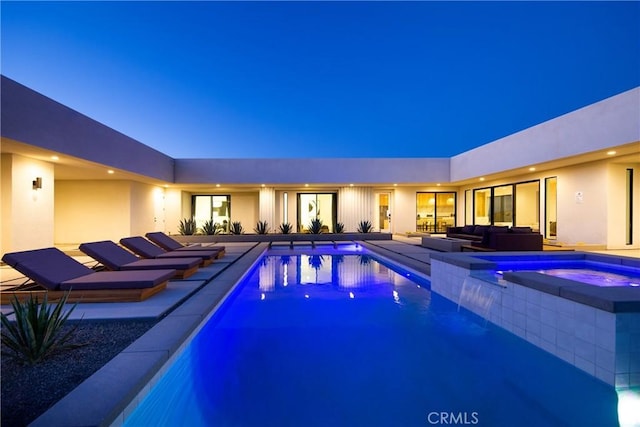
x: 124, y: 381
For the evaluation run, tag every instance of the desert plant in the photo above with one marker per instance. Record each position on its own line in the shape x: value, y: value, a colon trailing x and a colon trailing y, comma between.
x: 365, y: 227
x: 339, y: 227
x: 285, y: 228
x: 210, y: 228
x: 37, y: 330
x: 236, y: 228
x: 187, y: 227
x: 262, y: 227
x: 315, y: 226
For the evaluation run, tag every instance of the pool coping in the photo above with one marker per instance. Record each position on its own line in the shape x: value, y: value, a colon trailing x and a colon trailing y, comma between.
x: 104, y: 398
x: 611, y: 299
x: 108, y: 396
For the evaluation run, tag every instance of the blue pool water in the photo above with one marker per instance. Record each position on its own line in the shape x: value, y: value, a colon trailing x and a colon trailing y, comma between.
x: 350, y: 340
x: 590, y: 272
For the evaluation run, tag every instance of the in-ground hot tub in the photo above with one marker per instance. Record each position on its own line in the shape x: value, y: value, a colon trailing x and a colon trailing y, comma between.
x: 589, y: 321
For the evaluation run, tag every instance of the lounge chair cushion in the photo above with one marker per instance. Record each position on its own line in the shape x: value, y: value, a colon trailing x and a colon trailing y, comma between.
x: 54, y: 270
x: 170, y: 244
x: 135, y: 279
x: 47, y: 267
x: 147, y: 249
x: 115, y: 257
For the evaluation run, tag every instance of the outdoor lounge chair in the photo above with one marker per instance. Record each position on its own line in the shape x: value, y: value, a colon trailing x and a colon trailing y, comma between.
x: 170, y: 244
x: 55, y: 273
x: 146, y: 249
x: 115, y: 257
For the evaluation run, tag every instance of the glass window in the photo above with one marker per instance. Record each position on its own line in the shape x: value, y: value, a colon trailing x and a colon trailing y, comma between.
x: 527, y: 208
x: 320, y: 206
x: 482, y: 206
x: 503, y: 205
x: 435, y: 211
x: 214, y: 208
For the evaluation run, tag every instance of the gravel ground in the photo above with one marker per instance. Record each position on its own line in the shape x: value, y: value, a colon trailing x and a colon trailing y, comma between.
x: 28, y: 391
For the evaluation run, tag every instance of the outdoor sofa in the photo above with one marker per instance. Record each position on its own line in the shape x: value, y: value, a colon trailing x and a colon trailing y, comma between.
x: 497, y: 238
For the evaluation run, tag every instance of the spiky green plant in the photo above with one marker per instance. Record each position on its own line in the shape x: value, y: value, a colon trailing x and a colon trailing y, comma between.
x: 315, y: 226
x: 262, y: 227
x: 285, y: 228
x: 187, y: 227
x: 365, y: 227
x: 37, y: 330
x: 236, y: 228
x: 210, y: 228
x: 339, y: 227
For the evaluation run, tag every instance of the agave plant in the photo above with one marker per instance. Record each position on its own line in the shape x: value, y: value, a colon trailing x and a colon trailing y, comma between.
x: 365, y: 227
x: 315, y: 226
x: 37, y: 330
x: 262, y: 227
x: 210, y: 228
x: 187, y: 227
x: 285, y: 228
x: 236, y: 228
x: 339, y: 227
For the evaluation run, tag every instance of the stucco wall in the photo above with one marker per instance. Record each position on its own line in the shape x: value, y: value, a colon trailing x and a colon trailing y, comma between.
x: 611, y: 122
x: 27, y: 214
x: 92, y: 210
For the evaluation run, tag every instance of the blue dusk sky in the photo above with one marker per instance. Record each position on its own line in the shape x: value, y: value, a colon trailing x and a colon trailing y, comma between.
x: 322, y: 79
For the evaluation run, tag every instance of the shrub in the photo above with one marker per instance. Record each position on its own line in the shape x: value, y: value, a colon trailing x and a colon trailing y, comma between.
x: 339, y: 227
x: 236, y: 228
x: 365, y: 227
x: 262, y: 227
x: 210, y: 228
x: 285, y: 228
x: 315, y: 226
x: 37, y: 330
x: 187, y: 227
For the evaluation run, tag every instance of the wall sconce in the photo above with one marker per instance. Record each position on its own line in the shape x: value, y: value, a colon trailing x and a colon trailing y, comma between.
x: 37, y: 183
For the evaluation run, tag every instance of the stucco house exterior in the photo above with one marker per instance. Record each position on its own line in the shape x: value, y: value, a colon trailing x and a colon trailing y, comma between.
x: 69, y: 179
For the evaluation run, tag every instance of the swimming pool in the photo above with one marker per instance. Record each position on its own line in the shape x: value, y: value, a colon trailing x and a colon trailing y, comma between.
x: 589, y: 272
x: 343, y: 339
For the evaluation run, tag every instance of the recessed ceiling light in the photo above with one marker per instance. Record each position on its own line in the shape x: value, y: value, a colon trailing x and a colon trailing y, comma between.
x: 482, y: 178
x: 306, y: 185
x: 350, y: 185
x: 395, y: 185
x: 262, y: 185
x: 55, y: 158
x: 532, y: 168
x: 110, y: 172
x: 217, y: 185
x: 611, y: 152
x: 438, y: 184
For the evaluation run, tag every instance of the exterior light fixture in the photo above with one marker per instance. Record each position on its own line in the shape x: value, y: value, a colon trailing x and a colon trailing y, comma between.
x: 306, y: 185
x: 611, y: 152
x: 55, y: 158
x: 482, y: 178
x: 110, y: 172
x: 37, y: 183
x: 531, y: 169
x: 350, y: 185
x: 262, y: 185
x: 217, y: 185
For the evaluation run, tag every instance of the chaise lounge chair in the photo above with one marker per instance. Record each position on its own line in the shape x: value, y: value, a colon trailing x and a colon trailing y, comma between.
x: 116, y: 258
x: 170, y: 244
x: 146, y: 249
x: 56, y: 272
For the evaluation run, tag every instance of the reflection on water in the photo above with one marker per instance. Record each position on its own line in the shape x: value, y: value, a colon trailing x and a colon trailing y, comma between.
x: 348, y: 341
